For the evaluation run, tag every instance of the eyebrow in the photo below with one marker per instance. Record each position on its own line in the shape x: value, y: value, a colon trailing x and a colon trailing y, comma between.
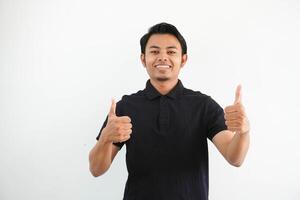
x: 157, y: 47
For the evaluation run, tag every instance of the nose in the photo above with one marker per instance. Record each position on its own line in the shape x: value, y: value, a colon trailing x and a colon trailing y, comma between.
x: 162, y: 58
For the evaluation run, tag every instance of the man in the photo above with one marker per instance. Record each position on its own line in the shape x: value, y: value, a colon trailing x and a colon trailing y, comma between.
x: 165, y: 128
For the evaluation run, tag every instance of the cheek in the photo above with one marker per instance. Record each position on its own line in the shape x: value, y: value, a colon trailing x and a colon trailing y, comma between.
x: 150, y: 60
x: 177, y: 61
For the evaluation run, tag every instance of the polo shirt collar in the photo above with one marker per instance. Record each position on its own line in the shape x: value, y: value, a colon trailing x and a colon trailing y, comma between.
x: 152, y: 93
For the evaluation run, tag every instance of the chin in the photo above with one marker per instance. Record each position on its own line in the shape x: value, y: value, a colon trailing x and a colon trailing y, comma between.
x: 162, y: 79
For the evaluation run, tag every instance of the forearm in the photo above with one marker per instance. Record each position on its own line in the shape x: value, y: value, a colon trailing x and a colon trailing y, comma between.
x: 238, y: 148
x: 100, y: 157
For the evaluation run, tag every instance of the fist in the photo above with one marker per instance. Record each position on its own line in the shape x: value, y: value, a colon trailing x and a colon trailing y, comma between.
x: 235, y: 116
x: 117, y: 129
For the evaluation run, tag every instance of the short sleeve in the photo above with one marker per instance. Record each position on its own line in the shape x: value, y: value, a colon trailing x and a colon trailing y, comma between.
x: 215, y: 121
x: 119, y: 113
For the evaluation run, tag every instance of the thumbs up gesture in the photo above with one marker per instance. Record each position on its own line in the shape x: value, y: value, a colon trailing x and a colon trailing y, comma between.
x: 235, y: 115
x: 117, y: 129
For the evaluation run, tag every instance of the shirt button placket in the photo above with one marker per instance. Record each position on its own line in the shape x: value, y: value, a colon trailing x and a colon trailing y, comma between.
x: 164, y: 115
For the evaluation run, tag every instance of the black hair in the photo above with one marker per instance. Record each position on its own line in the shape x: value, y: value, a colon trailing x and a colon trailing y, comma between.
x: 163, y: 28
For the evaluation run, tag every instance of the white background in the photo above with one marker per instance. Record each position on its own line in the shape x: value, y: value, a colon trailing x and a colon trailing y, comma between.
x: 62, y: 61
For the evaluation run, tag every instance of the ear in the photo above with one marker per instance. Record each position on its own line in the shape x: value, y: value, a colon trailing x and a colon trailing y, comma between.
x: 184, y: 59
x: 143, y: 59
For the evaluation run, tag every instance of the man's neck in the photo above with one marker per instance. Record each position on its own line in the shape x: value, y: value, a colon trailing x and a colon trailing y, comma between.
x: 164, y: 87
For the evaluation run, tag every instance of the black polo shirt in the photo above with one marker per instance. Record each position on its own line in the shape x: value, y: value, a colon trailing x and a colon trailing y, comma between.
x: 167, y: 154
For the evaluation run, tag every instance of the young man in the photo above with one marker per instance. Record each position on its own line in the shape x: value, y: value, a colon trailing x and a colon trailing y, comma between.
x: 165, y: 128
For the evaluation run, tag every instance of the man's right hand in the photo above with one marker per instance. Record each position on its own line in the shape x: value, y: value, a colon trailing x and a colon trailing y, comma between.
x: 117, y: 129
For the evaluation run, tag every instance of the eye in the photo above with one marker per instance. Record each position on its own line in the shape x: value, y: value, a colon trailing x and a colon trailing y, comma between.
x: 171, y: 52
x: 154, y: 52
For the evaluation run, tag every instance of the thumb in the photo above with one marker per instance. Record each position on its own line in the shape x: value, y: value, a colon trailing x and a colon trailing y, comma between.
x: 238, y: 94
x: 112, y: 111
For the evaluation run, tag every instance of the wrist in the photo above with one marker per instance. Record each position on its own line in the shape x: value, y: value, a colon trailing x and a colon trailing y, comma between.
x: 243, y: 133
x: 104, y: 139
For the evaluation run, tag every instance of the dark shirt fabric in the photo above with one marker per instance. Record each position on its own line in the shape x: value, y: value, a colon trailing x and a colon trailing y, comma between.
x: 167, y: 154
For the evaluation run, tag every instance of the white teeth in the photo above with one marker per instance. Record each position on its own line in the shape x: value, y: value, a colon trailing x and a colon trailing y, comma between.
x: 163, y: 66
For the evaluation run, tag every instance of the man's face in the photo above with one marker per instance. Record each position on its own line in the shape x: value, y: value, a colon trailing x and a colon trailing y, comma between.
x: 163, y: 57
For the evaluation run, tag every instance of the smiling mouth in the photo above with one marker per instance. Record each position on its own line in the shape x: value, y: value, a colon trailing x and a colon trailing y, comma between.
x: 162, y: 66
